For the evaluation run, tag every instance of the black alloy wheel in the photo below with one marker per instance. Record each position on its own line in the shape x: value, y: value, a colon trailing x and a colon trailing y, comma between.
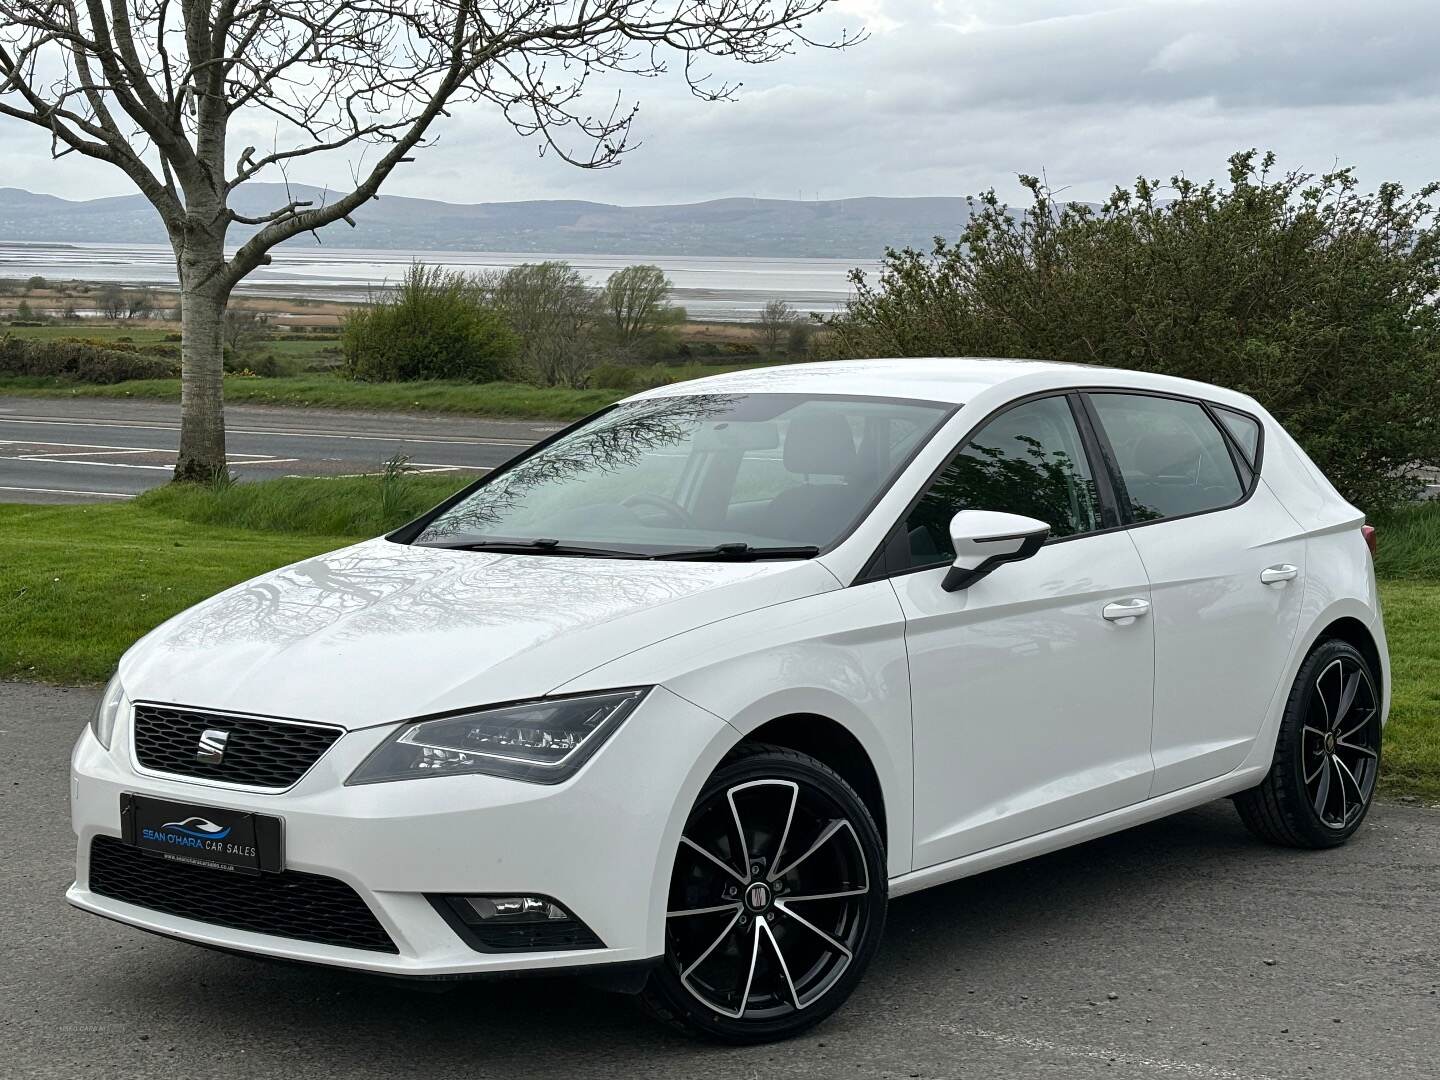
x: 1327, y: 754
x: 777, y: 900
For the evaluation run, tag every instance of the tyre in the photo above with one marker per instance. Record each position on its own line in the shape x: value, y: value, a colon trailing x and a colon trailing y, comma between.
x: 1327, y: 755
x: 776, y: 904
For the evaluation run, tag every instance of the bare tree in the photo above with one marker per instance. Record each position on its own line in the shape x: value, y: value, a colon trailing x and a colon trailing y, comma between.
x: 112, y: 302
x: 244, y: 330
x: 633, y: 300
x: 776, y: 319
x: 140, y: 304
x: 553, y: 311
x: 155, y: 87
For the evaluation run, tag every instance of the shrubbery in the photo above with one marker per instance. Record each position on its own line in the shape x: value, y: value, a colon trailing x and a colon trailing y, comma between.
x: 436, y: 325
x: 81, y: 361
x: 1319, y: 301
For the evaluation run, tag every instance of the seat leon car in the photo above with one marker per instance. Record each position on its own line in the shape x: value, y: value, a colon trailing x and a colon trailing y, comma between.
x: 683, y: 695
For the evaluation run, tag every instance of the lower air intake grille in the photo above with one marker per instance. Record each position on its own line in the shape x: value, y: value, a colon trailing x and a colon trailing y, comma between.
x: 291, y: 904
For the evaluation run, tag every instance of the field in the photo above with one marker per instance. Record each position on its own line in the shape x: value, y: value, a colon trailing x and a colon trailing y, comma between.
x: 504, y: 399
x: 306, y: 362
x: 79, y: 584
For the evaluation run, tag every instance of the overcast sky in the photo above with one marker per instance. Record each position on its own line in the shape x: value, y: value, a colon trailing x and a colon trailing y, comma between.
x: 947, y: 97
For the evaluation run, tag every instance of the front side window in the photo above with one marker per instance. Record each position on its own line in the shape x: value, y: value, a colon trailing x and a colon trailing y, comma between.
x: 1172, y: 457
x: 1028, y: 460
x: 675, y: 474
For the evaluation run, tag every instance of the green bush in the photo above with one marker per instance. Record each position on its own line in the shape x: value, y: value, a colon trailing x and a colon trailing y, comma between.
x: 1316, y: 299
x: 266, y: 365
x: 436, y: 325
x: 80, y: 361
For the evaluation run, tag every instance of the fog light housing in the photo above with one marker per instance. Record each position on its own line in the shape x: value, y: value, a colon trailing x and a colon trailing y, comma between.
x: 515, y: 922
x: 515, y: 909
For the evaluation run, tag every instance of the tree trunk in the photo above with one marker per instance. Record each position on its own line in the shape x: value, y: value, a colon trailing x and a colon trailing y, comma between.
x: 202, y: 390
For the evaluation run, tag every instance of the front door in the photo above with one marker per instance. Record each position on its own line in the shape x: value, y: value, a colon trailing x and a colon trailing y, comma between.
x: 1031, y: 690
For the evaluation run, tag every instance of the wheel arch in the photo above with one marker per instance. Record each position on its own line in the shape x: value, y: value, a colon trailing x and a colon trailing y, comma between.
x: 1353, y: 632
x: 833, y: 744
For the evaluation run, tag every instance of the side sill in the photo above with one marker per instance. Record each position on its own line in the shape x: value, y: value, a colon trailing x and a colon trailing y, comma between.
x: 1077, y: 833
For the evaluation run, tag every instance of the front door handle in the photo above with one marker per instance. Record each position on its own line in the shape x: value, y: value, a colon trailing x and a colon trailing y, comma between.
x: 1124, y: 610
x: 1272, y: 575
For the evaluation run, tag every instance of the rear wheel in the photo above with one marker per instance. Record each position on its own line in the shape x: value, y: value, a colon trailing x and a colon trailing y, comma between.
x: 777, y: 901
x: 1327, y: 755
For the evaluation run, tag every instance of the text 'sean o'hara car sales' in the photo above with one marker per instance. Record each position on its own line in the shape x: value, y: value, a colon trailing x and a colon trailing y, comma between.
x: 679, y: 697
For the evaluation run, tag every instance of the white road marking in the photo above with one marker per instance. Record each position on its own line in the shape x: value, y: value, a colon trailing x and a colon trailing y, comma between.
x: 78, y: 453
x: 67, y: 491
x: 55, y: 459
x: 102, y: 464
x: 130, y: 425
x: 89, y: 446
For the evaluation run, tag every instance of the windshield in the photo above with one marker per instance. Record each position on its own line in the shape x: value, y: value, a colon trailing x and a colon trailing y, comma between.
x: 679, y: 474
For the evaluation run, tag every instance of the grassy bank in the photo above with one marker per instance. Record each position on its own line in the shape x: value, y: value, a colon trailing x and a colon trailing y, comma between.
x: 78, y: 584
x: 331, y: 392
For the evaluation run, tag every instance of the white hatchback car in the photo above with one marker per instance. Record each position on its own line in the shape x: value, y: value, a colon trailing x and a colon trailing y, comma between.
x: 681, y: 696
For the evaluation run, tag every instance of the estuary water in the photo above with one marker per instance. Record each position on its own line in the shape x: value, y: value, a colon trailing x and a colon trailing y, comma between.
x: 734, y: 289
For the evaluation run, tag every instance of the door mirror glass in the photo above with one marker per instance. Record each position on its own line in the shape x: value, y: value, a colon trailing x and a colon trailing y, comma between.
x: 984, y: 539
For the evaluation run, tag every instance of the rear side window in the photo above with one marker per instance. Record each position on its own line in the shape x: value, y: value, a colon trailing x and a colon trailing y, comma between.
x: 1028, y: 460
x: 1244, y: 429
x: 1173, y: 459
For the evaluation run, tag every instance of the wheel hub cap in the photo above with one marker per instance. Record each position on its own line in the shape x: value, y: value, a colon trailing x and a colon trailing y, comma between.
x: 757, y: 897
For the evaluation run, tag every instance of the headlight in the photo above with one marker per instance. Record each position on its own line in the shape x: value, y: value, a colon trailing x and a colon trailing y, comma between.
x: 543, y: 741
x: 103, y: 722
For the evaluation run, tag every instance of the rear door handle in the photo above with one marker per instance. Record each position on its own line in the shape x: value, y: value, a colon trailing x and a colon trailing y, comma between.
x: 1122, y: 610
x: 1272, y: 575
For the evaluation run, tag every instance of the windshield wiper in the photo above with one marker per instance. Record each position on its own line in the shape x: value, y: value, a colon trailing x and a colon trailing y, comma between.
x: 741, y: 552
x: 542, y: 546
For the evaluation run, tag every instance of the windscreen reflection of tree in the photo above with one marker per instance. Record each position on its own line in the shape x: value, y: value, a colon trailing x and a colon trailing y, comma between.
x: 1038, y: 484
x: 614, y: 442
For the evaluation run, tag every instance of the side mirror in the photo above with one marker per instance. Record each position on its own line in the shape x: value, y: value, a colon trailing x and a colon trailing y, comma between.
x: 984, y: 539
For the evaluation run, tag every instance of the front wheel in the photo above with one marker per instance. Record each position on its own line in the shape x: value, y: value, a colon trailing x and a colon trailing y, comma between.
x: 777, y: 900
x: 1327, y: 754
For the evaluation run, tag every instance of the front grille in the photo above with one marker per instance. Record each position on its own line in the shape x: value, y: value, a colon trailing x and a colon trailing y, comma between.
x: 289, y: 904
x: 258, y: 752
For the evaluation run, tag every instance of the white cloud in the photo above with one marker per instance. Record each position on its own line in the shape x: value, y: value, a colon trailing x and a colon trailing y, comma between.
x: 1195, y: 51
x: 950, y: 96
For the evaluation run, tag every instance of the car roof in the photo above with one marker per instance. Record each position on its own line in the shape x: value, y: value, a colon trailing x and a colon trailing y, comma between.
x: 952, y: 379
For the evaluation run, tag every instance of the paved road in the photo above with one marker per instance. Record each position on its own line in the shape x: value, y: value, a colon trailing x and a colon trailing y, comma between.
x: 1007, y: 975
x: 89, y: 449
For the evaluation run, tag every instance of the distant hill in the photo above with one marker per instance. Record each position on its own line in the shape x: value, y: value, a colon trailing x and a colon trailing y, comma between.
x: 781, y: 228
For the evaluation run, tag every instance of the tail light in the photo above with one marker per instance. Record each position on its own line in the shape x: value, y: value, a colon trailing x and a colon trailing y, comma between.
x: 1368, y: 531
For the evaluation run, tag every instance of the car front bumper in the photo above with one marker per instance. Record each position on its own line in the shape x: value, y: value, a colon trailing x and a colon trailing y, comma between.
x: 601, y: 844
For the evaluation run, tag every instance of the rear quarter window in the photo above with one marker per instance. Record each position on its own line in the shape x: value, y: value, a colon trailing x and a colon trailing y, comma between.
x: 1244, y: 429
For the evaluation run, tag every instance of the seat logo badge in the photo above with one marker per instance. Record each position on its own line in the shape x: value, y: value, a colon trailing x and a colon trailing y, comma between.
x: 211, y: 750
x: 757, y: 897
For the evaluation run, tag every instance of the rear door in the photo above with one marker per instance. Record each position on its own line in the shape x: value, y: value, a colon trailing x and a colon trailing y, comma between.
x: 1226, y: 569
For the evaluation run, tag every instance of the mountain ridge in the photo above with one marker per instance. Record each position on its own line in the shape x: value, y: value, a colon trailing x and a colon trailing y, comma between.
x: 857, y: 228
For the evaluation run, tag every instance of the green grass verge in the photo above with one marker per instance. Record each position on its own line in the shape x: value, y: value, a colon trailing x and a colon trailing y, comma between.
x: 348, y: 506
x: 79, y: 584
x: 515, y: 400
x: 1412, y: 737
x: 1409, y: 543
